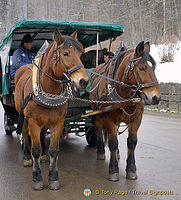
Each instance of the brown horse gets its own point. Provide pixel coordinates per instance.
(134, 68)
(59, 64)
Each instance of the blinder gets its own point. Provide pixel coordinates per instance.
(147, 57)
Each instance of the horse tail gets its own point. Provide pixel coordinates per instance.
(21, 115)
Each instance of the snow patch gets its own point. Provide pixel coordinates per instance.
(168, 72)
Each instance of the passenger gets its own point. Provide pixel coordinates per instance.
(22, 55)
(89, 58)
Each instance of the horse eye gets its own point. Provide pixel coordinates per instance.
(142, 68)
(65, 54)
(149, 63)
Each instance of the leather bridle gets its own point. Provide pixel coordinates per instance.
(57, 58)
(131, 67)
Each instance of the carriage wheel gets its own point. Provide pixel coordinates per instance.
(91, 137)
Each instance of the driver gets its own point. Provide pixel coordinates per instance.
(22, 55)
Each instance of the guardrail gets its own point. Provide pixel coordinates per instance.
(170, 99)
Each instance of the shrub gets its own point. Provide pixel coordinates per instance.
(167, 48)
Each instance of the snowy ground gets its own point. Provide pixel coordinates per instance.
(168, 72)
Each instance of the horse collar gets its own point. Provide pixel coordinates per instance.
(46, 99)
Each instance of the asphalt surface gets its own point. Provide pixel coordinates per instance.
(158, 160)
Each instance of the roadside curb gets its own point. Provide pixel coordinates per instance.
(163, 114)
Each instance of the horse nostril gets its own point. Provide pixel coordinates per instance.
(155, 100)
(83, 83)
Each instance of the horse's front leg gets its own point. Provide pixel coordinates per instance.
(100, 142)
(56, 131)
(34, 130)
(131, 144)
(113, 146)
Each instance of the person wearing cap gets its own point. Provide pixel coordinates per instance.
(22, 55)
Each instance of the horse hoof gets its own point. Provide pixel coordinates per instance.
(27, 163)
(38, 186)
(114, 177)
(101, 157)
(54, 185)
(43, 159)
(131, 175)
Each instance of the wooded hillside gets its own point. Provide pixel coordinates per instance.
(144, 19)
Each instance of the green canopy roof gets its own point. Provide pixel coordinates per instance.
(42, 30)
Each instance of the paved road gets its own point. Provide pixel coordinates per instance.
(158, 159)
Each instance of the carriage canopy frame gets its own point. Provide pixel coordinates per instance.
(42, 30)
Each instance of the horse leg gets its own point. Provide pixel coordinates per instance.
(34, 130)
(131, 144)
(27, 160)
(131, 167)
(117, 154)
(43, 157)
(113, 146)
(100, 143)
(53, 154)
(105, 137)
(117, 150)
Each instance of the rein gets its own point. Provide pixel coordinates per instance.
(110, 79)
(110, 85)
(53, 79)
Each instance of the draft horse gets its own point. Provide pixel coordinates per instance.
(60, 65)
(135, 68)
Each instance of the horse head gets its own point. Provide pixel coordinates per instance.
(107, 55)
(141, 72)
(67, 61)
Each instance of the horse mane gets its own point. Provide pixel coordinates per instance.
(69, 41)
(121, 56)
(145, 57)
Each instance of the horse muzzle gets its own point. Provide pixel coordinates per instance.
(82, 84)
(78, 77)
(80, 81)
(151, 99)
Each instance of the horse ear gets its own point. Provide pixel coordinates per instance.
(139, 49)
(147, 47)
(74, 35)
(57, 37)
